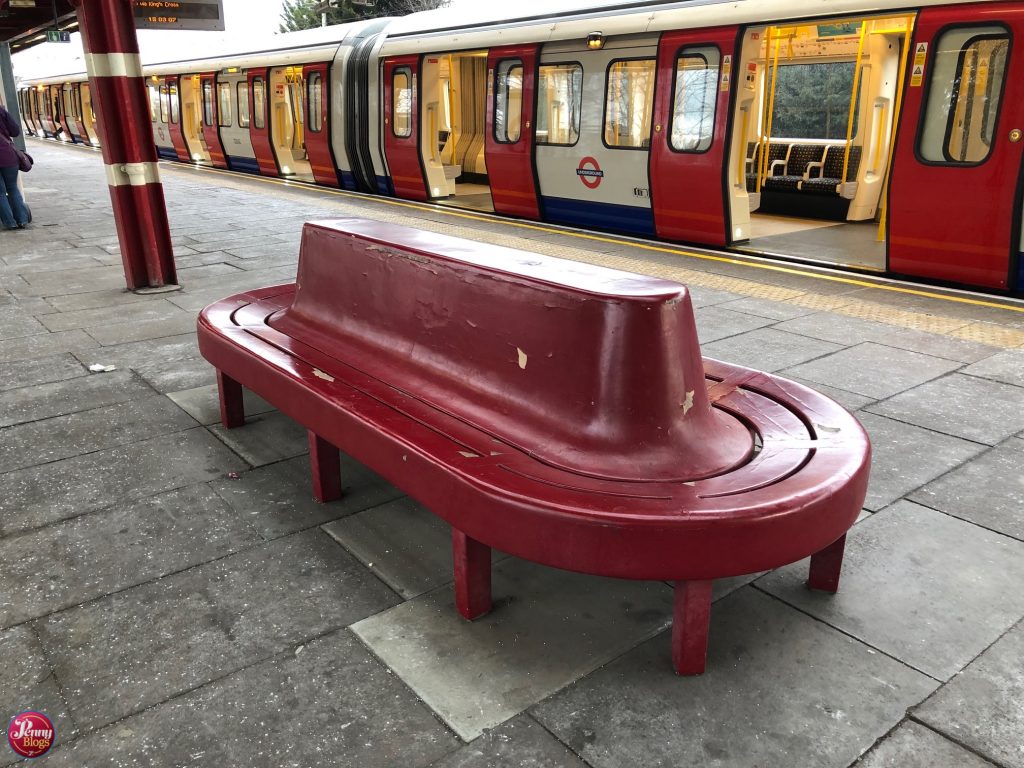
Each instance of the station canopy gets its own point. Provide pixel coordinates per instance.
(24, 23)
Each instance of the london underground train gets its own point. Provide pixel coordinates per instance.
(863, 133)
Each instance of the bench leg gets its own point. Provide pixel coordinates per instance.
(826, 565)
(325, 461)
(232, 412)
(472, 575)
(690, 619)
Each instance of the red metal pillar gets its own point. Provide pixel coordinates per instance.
(126, 133)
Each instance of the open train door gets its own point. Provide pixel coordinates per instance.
(688, 145)
(259, 125)
(318, 132)
(211, 120)
(954, 203)
(508, 148)
(402, 127)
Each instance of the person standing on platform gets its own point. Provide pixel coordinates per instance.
(13, 212)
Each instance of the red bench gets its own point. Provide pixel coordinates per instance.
(556, 411)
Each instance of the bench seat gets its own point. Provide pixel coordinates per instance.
(786, 480)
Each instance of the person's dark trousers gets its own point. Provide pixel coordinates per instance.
(13, 212)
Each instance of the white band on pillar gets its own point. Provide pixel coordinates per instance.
(113, 64)
(134, 174)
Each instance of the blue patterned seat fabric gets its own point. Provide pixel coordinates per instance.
(800, 156)
(832, 171)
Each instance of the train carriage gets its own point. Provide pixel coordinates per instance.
(882, 136)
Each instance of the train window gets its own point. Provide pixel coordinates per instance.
(154, 103)
(812, 101)
(508, 102)
(696, 94)
(964, 93)
(629, 103)
(165, 104)
(559, 100)
(172, 92)
(401, 102)
(224, 104)
(69, 96)
(243, 104)
(208, 103)
(315, 88)
(259, 103)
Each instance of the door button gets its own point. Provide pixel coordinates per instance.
(1016, 135)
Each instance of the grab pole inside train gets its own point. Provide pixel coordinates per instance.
(119, 95)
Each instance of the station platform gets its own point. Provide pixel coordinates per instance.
(171, 595)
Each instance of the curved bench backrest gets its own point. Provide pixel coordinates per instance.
(589, 369)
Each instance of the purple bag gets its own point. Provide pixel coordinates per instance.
(25, 160)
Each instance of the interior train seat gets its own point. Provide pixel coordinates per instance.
(831, 171)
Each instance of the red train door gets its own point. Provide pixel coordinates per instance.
(402, 127)
(259, 125)
(171, 90)
(211, 121)
(953, 204)
(76, 99)
(508, 148)
(688, 146)
(318, 128)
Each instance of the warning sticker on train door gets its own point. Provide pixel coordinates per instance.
(920, 57)
(726, 72)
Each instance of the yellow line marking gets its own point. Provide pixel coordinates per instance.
(779, 268)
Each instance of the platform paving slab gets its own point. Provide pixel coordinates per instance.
(31, 373)
(204, 623)
(936, 345)
(123, 546)
(774, 310)
(26, 348)
(835, 328)
(768, 350)
(780, 689)
(714, 323)
(918, 585)
(15, 324)
(66, 281)
(170, 364)
(905, 457)
(61, 398)
(26, 683)
(519, 743)
(61, 437)
(912, 745)
(155, 308)
(408, 547)
(988, 491)
(963, 406)
(203, 405)
(851, 401)
(873, 370)
(265, 438)
(1007, 366)
(983, 707)
(277, 499)
(548, 628)
(325, 704)
(112, 297)
(40, 495)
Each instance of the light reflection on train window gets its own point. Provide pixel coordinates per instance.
(693, 113)
(224, 104)
(508, 102)
(165, 103)
(259, 103)
(629, 103)
(243, 104)
(401, 103)
(559, 99)
(964, 93)
(208, 103)
(175, 104)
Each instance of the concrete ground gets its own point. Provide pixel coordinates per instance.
(170, 595)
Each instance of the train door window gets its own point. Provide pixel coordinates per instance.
(964, 93)
(259, 103)
(696, 93)
(243, 104)
(208, 103)
(154, 103)
(224, 104)
(629, 103)
(401, 102)
(69, 95)
(315, 88)
(172, 94)
(508, 102)
(559, 103)
(165, 104)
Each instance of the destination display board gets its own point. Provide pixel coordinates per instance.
(184, 14)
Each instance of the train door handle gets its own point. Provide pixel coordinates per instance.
(1016, 135)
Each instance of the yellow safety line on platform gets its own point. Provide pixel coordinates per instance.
(497, 219)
